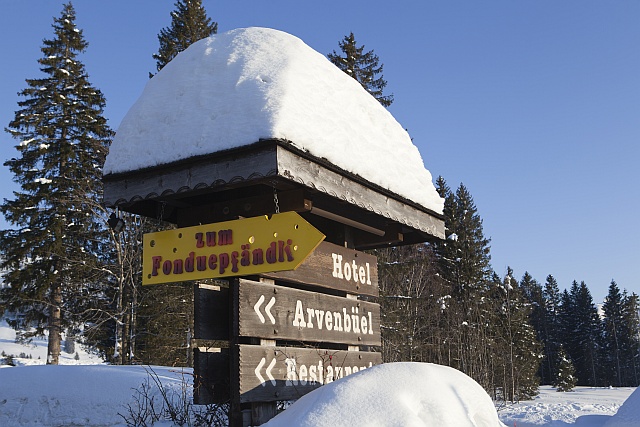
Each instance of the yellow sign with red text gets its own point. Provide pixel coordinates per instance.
(231, 248)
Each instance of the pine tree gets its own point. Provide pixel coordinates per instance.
(582, 334)
(613, 334)
(552, 328)
(631, 339)
(464, 256)
(363, 66)
(189, 23)
(52, 257)
(471, 255)
(517, 355)
(464, 264)
(447, 250)
(533, 294)
(565, 379)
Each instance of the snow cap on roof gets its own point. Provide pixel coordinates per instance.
(233, 89)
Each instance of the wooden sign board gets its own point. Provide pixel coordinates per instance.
(335, 267)
(232, 248)
(285, 373)
(211, 313)
(278, 312)
(211, 375)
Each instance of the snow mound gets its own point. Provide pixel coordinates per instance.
(629, 413)
(395, 394)
(233, 89)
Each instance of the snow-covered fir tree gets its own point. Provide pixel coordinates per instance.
(52, 255)
(613, 335)
(533, 293)
(552, 329)
(621, 348)
(365, 67)
(582, 334)
(631, 343)
(516, 348)
(464, 263)
(189, 23)
(564, 379)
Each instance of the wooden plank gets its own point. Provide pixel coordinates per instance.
(335, 267)
(162, 186)
(263, 204)
(234, 167)
(278, 312)
(211, 313)
(323, 177)
(286, 373)
(236, 417)
(211, 375)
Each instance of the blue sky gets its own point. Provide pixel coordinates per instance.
(533, 105)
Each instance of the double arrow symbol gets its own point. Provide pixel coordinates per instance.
(267, 372)
(267, 309)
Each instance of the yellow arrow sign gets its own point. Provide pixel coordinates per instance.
(231, 248)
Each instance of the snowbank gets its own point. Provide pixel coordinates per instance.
(584, 407)
(73, 395)
(629, 413)
(395, 394)
(236, 88)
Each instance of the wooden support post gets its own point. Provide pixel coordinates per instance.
(261, 412)
(236, 418)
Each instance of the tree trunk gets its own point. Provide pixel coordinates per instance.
(120, 337)
(55, 324)
(133, 323)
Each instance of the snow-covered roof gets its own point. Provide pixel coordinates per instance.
(236, 88)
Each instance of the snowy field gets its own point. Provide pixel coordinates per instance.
(86, 392)
(585, 407)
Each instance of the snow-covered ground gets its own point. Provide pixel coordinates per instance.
(90, 393)
(35, 352)
(585, 407)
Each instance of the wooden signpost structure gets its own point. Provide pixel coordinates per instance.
(287, 321)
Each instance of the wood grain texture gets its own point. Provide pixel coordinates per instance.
(318, 268)
(211, 313)
(277, 312)
(158, 190)
(187, 176)
(286, 373)
(358, 191)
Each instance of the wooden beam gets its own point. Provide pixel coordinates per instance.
(187, 191)
(264, 204)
